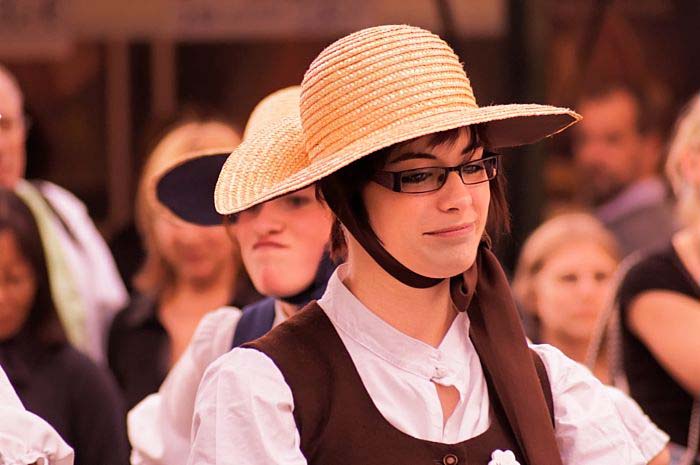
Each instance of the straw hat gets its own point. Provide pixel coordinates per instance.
(273, 107)
(186, 188)
(370, 90)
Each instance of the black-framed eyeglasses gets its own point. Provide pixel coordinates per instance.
(432, 178)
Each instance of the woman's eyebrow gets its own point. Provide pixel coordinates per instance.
(412, 156)
(468, 150)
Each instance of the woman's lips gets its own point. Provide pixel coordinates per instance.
(268, 245)
(453, 231)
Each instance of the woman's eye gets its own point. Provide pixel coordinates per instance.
(568, 278)
(473, 169)
(416, 177)
(601, 276)
(297, 201)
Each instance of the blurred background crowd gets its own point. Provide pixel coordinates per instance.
(100, 292)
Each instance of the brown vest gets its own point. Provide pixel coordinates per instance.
(337, 420)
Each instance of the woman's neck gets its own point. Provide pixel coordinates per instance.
(288, 309)
(198, 296)
(423, 314)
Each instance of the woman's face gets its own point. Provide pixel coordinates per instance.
(197, 254)
(572, 289)
(435, 234)
(18, 286)
(282, 242)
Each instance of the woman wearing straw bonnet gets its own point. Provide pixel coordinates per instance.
(415, 353)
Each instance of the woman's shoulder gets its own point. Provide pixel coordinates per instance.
(214, 334)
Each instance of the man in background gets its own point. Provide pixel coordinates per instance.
(617, 150)
(85, 283)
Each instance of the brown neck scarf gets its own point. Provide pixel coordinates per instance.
(497, 333)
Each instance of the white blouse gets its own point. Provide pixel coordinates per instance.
(24, 437)
(243, 410)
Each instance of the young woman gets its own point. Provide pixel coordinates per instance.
(283, 244)
(658, 301)
(52, 379)
(188, 271)
(415, 353)
(564, 280)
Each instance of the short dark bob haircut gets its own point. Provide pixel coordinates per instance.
(351, 180)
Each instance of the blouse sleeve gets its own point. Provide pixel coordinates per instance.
(650, 440)
(24, 437)
(159, 426)
(588, 426)
(243, 414)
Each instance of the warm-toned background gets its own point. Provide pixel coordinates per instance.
(102, 77)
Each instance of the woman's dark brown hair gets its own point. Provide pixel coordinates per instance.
(349, 182)
(42, 323)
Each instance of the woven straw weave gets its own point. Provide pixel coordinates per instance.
(273, 107)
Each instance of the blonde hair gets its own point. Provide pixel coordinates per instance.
(547, 239)
(178, 144)
(684, 143)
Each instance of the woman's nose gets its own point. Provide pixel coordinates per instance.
(454, 194)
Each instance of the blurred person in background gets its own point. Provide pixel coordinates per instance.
(188, 271)
(564, 281)
(617, 152)
(283, 243)
(87, 288)
(659, 300)
(52, 379)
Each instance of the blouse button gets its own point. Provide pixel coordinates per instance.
(450, 459)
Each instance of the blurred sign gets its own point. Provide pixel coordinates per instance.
(33, 28)
(31, 20)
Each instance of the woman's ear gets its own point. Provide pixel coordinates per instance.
(690, 167)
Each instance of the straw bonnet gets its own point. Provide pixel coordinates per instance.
(187, 188)
(367, 91)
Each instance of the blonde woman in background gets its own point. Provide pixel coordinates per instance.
(563, 280)
(659, 302)
(188, 271)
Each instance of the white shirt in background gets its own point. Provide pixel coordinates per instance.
(95, 273)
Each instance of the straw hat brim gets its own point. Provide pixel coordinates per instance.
(187, 189)
(504, 126)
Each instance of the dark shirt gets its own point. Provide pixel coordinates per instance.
(660, 396)
(138, 349)
(75, 396)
